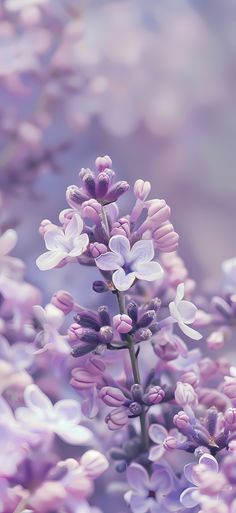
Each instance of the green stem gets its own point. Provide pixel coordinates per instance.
(136, 373)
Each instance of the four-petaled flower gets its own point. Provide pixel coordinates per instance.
(50, 319)
(148, 493)
(184, 312)
(62, 418)
(191, 496)
(63, 244)
(129, 263)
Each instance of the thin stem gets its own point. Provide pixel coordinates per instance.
(135, 370)
(105, 220)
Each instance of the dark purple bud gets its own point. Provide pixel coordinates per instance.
(212, 416)
(104, 316)
(90, 336)
(100, 286)
(89, 183)
(87, 320)
(83, 348)
(106, 334)
(117, 454)
(116, 191)
(155, 304)
(103, 182)
(137, 393)
(135, 408)
(132, 311)
(146, 319)
(154, 327)
(142, 335)
(121, 467)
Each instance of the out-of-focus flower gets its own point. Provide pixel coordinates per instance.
(50, 319)
(62, 418)
(195, 474)
(229, 275)
(184, 312)
(62, 245)
(19, 355)
(129, 263)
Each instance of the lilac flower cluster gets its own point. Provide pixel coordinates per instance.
(141, 368)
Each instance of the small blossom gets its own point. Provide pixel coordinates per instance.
(129, 263)
(147, 493)
(185, 394)
(61, 244)
(191, 496)
(122, 323)
(62, 418)
(184, 312)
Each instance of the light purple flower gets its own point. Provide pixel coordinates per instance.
(61, 244)
(62, 418)
(19, 355)
(229, 275)
(184, 312)
(148, 493)
(51, 319)
(191, 496)
(158, 434)
(129, 263)
(10, 267)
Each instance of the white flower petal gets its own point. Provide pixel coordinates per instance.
(149, 271)
(189, 498)
(109, 261)
(74, 227)
(54, 316)
(50, 259)
(123, 281)
(54, 239)
(80, 244)
(157, 433)
(188, 311)
(179, 293)
(35, 399)
(142, 251)
(210, 462)
(68, 409)
(76, 435)
(7, 242)
(174, 312)
(156, 452)
(120, 245)
(190, 332)
(139, 504)
(137, 477)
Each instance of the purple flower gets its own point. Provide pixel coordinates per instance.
(191, 496)
(184, 312)
(51, 319)
(148, 493)
(20, 354)
(129, 263)
(62, 418)
(69, 243)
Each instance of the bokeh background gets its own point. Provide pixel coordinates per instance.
(151, 83)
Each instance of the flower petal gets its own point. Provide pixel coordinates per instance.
(137, 477)
(190, 332)
(50, 259)
(54, 239)
(189, 474)
(139, 504)
(74, 227)
(120, 245)
(174, 312)
(80, 245)
(148, 271)
(71, 434)
(210, 462)
(7, 242)
(109, 261)
(54, 316)
(189, 498)
(68, 409)
(156, 452)
(179, 293)
(187, 311)
(35, 399)
(142, 251)
(161, 480)
(123, 281)
(157, 433)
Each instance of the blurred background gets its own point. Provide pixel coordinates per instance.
(151, 83)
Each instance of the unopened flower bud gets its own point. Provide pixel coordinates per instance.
(155, 304)
(143, 334)
(158, 212)
(92, 209)
(97, 249)
(81, 379)
(121, 227)
(229, 387)
(104, 316)
(112, 396)
(106, 334)
(132, 311)
(75, 196)
(94, 463)
(185, 394)
(135, 408)
(181, 420)
(230, 417)
(100, 286)
(83, 348)
(102, 163)
(155, 395)
(89, 183)
(122, 323)
(137, 393)
(63, 300)
(191, 378)
(165, 238)
(167, 352)
(146, 319)
(217, 339)
(102, 185)
(117, 419)
(142, 189)
(116, 191)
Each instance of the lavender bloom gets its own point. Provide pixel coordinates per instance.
(191, 496)
(148, 493)
(62, 418)
(61, 245)
(129, 263)
(50, 319)
(184, 312)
